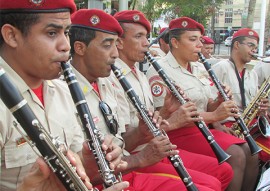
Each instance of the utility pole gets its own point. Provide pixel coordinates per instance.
(262, 27)
(213, 20)
(123, 5)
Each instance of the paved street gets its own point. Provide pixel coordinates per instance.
(221, 50)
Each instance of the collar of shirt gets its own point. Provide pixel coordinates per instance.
(20, 83)
(247, 69)
(174, 64)
(123, 66)
(39, 93)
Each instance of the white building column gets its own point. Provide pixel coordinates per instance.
(262, 26)
(97, 4)
(123, 5)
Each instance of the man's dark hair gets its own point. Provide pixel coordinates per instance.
(175, 34)
(124, 29)
(165, 37)
(22, 21)
(113, 12)
(81, 34)
(239, 39)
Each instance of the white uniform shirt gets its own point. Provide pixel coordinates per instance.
(111, 96)
(141, 87)
(58, 117)
(196, 85)
(225, 72)
(263, 71)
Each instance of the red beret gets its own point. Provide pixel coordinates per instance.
(133, 16)
(96, 19)
(163, 29)
(207, 40)
(37, 6)
(246, 32)
(185, 23)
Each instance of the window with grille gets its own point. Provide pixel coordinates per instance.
(228, 15)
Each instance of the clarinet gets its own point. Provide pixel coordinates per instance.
(49, 147)
(221, 155)
(254, 148)
(92, 133)
(175, 159)
(158, 37)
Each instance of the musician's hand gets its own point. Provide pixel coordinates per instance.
(143, 128)
(184, 116)
(264, 106)
(226, 109)
(41, 178)
(171, 104)
(154, 53)
(223, 128)
(158, 148)
(118, 187)
(113, 156)
(228, 91)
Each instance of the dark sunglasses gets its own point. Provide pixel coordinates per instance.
(109, 118)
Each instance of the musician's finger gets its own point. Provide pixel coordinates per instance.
(122, 166)
(107, 143)
(172, 152)
(118, 187)
(76, 161)
(156, 117)
(114, 156)
(43, 167)
(37, 174)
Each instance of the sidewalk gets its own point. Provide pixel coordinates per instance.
(221, 51)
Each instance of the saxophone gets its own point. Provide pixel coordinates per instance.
(252, 110)
(254, 148)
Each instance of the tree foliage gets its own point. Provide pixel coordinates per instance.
(199, 10)
(81, 3)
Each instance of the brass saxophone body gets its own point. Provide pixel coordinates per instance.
(252, 110)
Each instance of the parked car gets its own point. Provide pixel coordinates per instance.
(267, 52)
(228, 41)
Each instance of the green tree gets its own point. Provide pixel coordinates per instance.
(81, 3)
(199, 10)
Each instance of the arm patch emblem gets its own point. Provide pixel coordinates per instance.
(157, 89)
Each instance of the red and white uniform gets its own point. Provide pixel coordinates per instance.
(197, 87)
(226, 74)
(215, 177)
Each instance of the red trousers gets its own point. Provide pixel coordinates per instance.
(191, 139)
(204, 170)
(263, 142)
(206, 174)
(155, 182)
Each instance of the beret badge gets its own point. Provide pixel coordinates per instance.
(136, 18)
(184, 24)
(251, 33)
(36, 2)
(94, 20)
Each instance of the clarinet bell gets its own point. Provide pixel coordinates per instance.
(264, 126)
(254, 148)
(221, 155)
